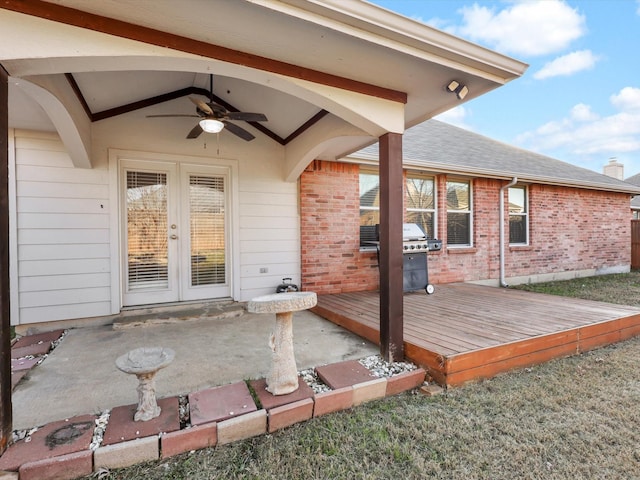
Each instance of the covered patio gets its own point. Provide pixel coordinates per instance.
(467, 332)
(80, 84)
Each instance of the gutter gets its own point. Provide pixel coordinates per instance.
(503, 282)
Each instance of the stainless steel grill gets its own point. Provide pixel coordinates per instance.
(415, 245)
(414, 240)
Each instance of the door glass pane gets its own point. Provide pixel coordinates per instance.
(207, 211)
(147, 247)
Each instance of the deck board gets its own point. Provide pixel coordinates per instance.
(466, 331)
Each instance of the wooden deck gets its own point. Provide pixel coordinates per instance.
(465, 332)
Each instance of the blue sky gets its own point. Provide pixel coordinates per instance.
(579, 100)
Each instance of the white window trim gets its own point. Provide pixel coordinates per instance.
(525, 214)
(434, 210)
(469, 211)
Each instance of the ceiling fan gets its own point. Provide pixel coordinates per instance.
(214, 117)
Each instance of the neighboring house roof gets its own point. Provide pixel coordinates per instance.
(441, 147)
(635, 201)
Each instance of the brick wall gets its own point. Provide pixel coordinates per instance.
(330, 231)
(570, 229)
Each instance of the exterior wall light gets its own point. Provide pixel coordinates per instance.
(460, 90)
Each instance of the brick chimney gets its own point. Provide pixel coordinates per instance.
(614, 169)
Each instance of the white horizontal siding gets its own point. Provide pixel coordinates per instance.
(64, 297)
(269, 234)
(63, 237)
(251, 222)
(64, 312)
(62, 205)
(52, 236)
(62, 220)
(63, 251)
(52, 282)
(62, 190)
(38, 173)
(34, 268)
(264, 259)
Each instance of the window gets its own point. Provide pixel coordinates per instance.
(421, 203)
(459, 213)
(369, 206)
(518, 216)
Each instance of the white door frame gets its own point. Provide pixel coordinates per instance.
(116, 220)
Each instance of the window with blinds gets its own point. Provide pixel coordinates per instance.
(207, 209)
(518, 216)
(147, 230)
(420, 202)
(459, 213)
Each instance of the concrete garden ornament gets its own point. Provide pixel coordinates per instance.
(283, 376)
(144, 363)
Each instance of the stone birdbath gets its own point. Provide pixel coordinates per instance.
(283, 376)
(144, 363)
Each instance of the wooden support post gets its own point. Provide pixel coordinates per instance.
(5, 322)
(391, 218)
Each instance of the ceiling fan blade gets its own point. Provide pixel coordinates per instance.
(195, 131)
(173, 115)
(247, 117)
(239, 131)
(218, 109)
(202, 105)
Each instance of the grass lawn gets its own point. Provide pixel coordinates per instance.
(573, 418)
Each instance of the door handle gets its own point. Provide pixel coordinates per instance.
(173, 237)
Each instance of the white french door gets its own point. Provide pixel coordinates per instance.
(175, 232)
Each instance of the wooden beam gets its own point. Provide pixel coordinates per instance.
(118, 28)
(5, 321)
(391, 217)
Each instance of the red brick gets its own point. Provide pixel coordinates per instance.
(53, 440)
(125, 454)
(405, 381)
(243, 426)
(64, 467)
(122, 427)
(270, 401)
(367, 391)
(194, 438)
(344, 374)
(220, 403)
(333, 401)
(286, 415)
(35, 350)
(46, 337)
(564, 224)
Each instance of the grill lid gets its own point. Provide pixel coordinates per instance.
(412, 232)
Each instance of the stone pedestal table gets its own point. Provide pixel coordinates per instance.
(144, 363)
(283, 376)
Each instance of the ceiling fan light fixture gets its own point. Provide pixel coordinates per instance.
(211, 125)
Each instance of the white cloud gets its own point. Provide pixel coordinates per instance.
(584, 136)
(638, 10)
(456, 116)
(583, 113)
(627, 100)
(525, 27)
(567, 65)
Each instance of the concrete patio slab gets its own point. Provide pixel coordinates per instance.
(79, 376)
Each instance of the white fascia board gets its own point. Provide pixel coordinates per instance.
(383, 27)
